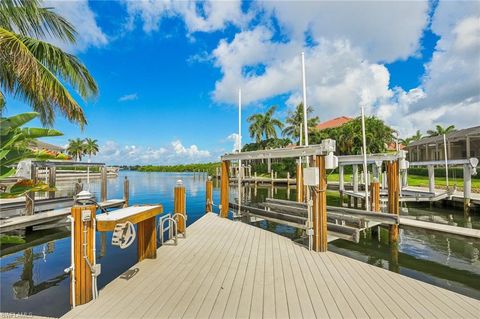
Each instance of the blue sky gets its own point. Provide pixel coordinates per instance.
(168, 72)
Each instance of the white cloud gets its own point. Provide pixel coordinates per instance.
(128, 97)
(450, 89)
(346, 45)
(80, 15)
(383, 30)
(234, 139)
(203, 16)
(176, 153)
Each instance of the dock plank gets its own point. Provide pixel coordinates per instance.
(231, 269)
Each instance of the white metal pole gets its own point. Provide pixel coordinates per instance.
(446, 157)
(239, 120)
(304, 84)
(239, 141)
(305, 130)
(365, 172)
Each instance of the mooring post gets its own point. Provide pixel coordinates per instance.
(375, 195)
(103, 191)
(126, 191)
(299, 181)
(319, 198)
(431, 179)
(209, 195)
(393, 197)
(179, 205)
(467, 188)
(52, 180)
(355, 185)
(224, 190)
(255, 178)
(288, 179)
(84, 246)
(272, 177)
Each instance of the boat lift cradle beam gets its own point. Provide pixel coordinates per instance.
(324, 148)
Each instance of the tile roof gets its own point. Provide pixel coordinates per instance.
(336, 122)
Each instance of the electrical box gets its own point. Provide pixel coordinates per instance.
(331, 161)
(86, 215)
(311, 176)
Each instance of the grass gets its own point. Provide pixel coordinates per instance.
(422, 181)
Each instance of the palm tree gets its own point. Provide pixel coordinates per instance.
(76, 148)
(90, 147)
(406, 141)
(418, 136)
(32, 69)
(264, 125)
(295, 122)
(440, 130)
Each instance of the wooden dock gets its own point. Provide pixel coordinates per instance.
(229, 269)
(21, 222)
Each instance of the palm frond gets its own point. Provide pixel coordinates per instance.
(29, 79)
(30, 19)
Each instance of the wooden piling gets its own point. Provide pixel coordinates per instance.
(126, 191)
(52, 180)
(103, 192)
(393, 197)
(209, 196)
(319, 198)
(224, 189)
(83, 274)
(179, 206)
(375, 196)
(299, 181)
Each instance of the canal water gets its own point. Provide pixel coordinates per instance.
(32, 278)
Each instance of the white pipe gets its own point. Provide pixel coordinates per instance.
(304, 84)
(72, 257)
(365, 172)
(446, 157)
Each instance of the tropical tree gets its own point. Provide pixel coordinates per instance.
(349, 136)
(36, 71)
(76, 148)
(264, 125)
(294, 122)
(440, 130)
(90, 147)
(417, 136)
(13, 150)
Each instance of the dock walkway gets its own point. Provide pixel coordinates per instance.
(229, 269)
(21, 222)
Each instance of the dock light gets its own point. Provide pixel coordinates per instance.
(179, 183)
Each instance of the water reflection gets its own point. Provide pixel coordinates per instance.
(26, 287)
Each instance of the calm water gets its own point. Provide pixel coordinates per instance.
(32, 278)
